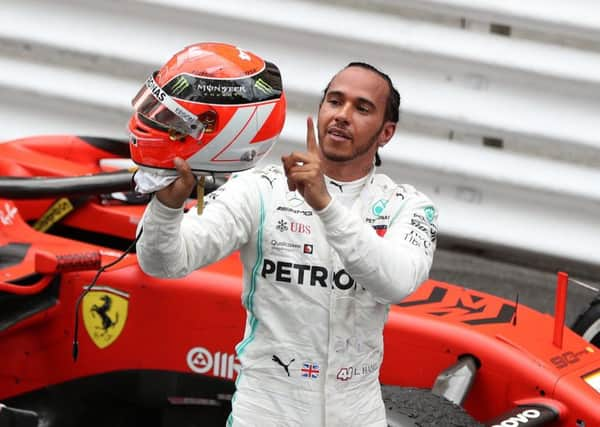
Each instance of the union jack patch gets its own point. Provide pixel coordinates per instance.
(310, 370)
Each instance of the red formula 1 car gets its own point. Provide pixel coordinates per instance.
(87, 339)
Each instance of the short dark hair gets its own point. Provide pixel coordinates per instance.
(392, 108)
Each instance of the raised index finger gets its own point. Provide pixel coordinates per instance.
(311, 141)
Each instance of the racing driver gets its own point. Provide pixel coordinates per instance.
(326, 244)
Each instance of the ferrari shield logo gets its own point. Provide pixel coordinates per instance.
(105, 314)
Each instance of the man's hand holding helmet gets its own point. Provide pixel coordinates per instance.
(175, 194)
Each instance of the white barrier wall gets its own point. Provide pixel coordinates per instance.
(500, 99)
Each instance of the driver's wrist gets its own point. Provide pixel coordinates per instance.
(164, 201)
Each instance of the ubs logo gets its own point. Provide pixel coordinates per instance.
(298, 227)
(294, 227)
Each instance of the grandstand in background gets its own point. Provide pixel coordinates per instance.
(500, 115)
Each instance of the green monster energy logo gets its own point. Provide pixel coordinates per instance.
(180, 85)
(263, 86)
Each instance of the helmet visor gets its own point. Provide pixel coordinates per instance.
(163, 112)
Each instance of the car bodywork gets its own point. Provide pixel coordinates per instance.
(167, 345)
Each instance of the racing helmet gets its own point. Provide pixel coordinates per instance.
(216, 105)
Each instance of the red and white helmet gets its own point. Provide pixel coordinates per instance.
(216, 105)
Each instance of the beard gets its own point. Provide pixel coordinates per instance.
(355, 153)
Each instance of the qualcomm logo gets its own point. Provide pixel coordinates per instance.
(224, 365)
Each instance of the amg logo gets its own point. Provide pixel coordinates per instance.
(302, 274)
(296, 211)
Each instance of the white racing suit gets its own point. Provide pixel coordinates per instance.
(317, 288)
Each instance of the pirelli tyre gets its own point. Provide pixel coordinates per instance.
(417, 407)
(12, 417)
(588, 323)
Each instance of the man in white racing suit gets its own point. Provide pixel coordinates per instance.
(326, 244)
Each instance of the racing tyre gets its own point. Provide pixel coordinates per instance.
(588, 323)
(12, 417)
(418, 407)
